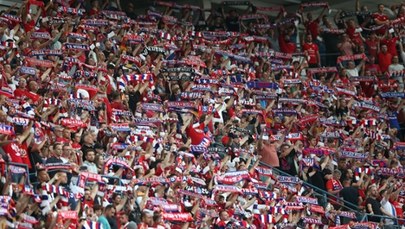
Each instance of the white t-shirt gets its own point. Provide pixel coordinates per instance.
(352, 72)
(388, 207)
(395, 67)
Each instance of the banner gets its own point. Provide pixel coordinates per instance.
(367, 106)
(306, 200)
(308, 220)
(227, 188)
(153, 49)
(114, 15)
(387, 95)
(287, 179)
(311, 71)
(121, 127)
(146, 181)
(58, 166)
(290, 100)
(174, 74)
(347, 214)
(350, 154)
(346, 14)
(6, 129)
(36, 62)
(187, 95)
(84, 177)
(46, 52)
(95, 22)
(264, 171)
(152, 107)
(11, 17)
(180, 105)
(309, 119)
(261, 84)
(333, 31)
(351, 57)
(120, 162)
(314, 4)
(178, 217)
(80, 47)
(40, 35)
(70, 10)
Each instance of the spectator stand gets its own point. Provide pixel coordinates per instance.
(158, 119)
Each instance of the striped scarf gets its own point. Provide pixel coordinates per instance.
(56, 190)
(6, 129)
(91, 225)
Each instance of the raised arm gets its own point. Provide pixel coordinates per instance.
(358, 6)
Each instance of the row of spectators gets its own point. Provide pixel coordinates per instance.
(168, 119)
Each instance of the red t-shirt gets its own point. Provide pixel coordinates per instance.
(196, 134)
(312, 50)
(93, 11)
(372, 47)
(313, 28)
(18, 153)
(88, 203)
(118, 105)
(286, 47)
(398, 209)
(380, 17)
(143, 162)
(384, 60)
(354, 36)
(333, 185)
(62, 140)
(29, 26)
(391, 45)
(18, 93)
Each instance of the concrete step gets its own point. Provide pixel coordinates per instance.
(4, 4)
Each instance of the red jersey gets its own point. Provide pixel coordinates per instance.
(333, 185)
(400, 213)
(29, 26)
(33, 96)
(196, 134)
(380, 17)
(391, 45)
(312, 50)
(313, 28)
(118, 105)
(20, 93)
(384, 60)
(355, 36)
(18, 153)
(286, 46)
(372, 46)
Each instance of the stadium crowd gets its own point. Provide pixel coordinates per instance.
(171, 119)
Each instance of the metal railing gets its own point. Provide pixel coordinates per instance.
(361, 216)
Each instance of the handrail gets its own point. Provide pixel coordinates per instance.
(349, 205)
(366, 215)
(324, 193)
